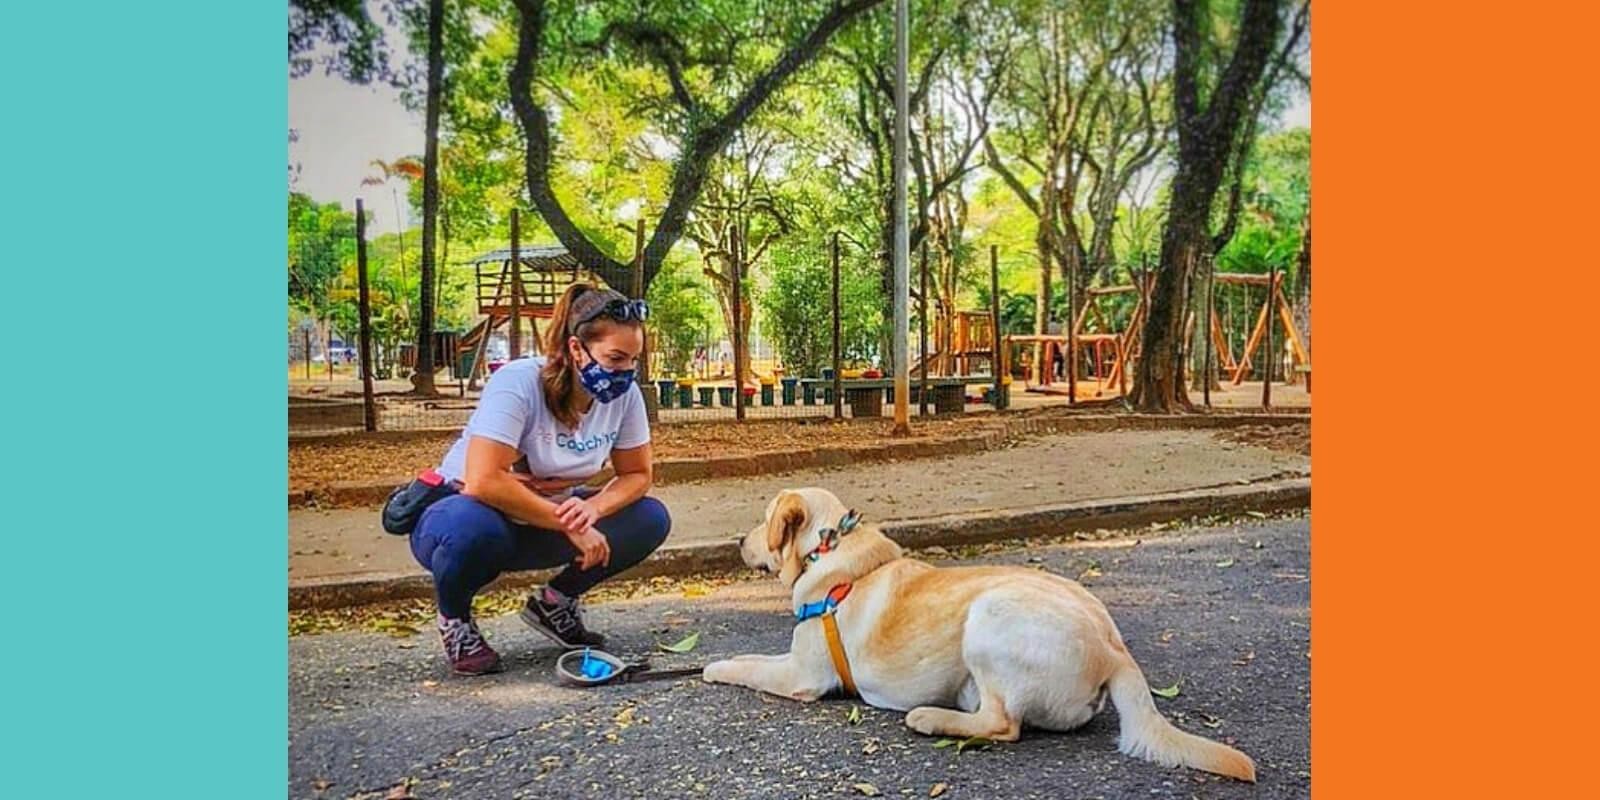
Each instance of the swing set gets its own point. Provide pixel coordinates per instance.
(1240, 367)
(1115, 352)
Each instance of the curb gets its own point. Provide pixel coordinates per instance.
(944, 530)
(356, 494)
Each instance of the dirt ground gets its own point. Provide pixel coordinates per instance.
(318, 462)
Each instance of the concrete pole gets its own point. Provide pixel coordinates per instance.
(902, 235)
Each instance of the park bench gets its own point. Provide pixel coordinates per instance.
(866, 396)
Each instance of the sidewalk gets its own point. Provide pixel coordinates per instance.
(348, 544)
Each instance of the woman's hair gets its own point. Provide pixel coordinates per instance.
(562, 389)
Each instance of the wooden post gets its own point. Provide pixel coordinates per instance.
(369, 408)
(1071, 360)
(1268, 356)
(1211, 320)
(638, 294)
(307, 337)
(738, 324)
(994, 325)
(516, 289)
(838, 362)
(329, 351)
(922, 393)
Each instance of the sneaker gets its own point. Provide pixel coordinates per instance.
(464, 646)
(558, 617)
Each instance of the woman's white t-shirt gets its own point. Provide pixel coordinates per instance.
(512, 412)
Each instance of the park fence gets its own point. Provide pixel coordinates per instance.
(349, 372)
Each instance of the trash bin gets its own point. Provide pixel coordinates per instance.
(665, 388)
(766, 394)
(705, 396)
(725, 395)
(809, 392)
(789, 385)
(686, 395)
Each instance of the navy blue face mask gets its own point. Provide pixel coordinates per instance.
(605, 384)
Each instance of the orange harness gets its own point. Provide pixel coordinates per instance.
(828, 606)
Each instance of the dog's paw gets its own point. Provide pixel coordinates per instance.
(921, 720)
(719, 672)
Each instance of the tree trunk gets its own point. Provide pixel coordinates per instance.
(1204, 139)
(422, 378)
(1200, 345)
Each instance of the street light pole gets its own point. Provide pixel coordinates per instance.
(902, 236)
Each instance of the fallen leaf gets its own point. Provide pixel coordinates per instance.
(1210, 721)
(1245, 659)
(855, 715)
(867, 789)
(1169, 692)
(624, 718)
(943, 743)
(321, 784)
(1167, 636)
(1225, 563)
(872, 746)
(394, 627)
(938, 789)
(693, 590)
(1256, 514)
(401, 791)
(683, 645)
(973, 741)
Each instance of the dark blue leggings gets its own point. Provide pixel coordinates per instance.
(466, 544)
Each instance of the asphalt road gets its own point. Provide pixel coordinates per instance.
(1225, 618)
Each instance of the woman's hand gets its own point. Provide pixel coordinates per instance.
(593, 548)
(577, 514)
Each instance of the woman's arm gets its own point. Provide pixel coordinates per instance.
(489, 479)
(634, 475)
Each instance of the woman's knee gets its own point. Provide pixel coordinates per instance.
(654, 519)
(463, 530)
(645, 523)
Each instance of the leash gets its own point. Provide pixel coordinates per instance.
(589, 667)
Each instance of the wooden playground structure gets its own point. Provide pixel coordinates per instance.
(1113, 353)
(971, 348)
(527, 289)
(1241, 367)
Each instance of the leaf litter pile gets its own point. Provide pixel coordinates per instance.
(406, 618)
(1283, 438)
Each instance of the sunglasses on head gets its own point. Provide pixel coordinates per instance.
(620, 310)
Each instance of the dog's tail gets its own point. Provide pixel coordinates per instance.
(1148, 735)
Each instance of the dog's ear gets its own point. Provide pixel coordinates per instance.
(788, 517)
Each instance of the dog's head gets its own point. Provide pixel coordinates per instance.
(791, 531)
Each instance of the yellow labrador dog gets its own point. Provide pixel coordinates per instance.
(967, 651)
